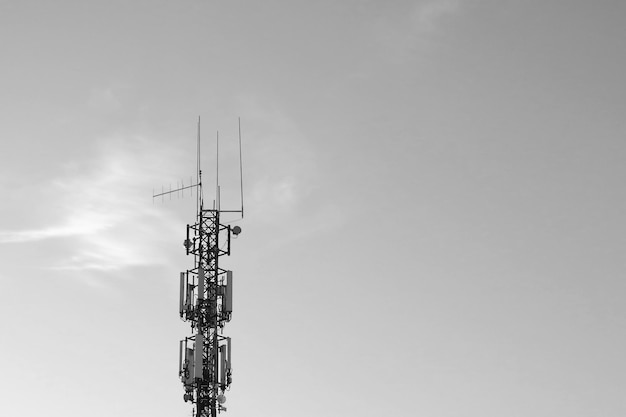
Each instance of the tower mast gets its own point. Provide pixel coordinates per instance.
(206, 292)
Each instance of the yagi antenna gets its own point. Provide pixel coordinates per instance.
(182, 188)
(206, 296)
(198, 184)
(206, 303)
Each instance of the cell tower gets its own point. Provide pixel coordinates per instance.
(206, 302)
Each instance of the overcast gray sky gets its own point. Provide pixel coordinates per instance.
(434, 204)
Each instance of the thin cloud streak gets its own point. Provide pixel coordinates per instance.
(410, 30)
(106, 218)
(289, 180)
(427, 15)
(75, 228)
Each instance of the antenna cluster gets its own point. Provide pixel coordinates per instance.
(206, 301)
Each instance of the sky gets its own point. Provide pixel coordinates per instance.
(434, 204)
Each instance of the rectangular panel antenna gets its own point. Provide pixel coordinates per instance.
(228, 296)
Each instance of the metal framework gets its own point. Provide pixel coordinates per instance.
(206, 302)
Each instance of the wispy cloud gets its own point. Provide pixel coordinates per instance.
(104, 215)
(88, 224)
(427, 15)
(281, 157)
(286, 191)
(104, 99)
(414, 26)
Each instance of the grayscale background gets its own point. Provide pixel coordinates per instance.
(434, 198)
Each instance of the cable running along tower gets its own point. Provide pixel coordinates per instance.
(206, 301)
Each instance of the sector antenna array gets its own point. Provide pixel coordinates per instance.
(206, 301)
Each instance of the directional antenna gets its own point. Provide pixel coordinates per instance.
(180, 188)
(206, 298)
(179, 191)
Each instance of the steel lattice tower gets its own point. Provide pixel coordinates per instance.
(206, 302)
(206, 368)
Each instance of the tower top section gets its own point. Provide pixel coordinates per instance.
(198, 183)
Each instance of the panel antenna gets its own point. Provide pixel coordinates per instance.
(206, 299)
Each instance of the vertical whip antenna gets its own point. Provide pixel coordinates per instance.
(198, 172)
(206, 297)
(217, 170)
(240, 168)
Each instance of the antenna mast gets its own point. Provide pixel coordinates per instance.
(206, 302)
